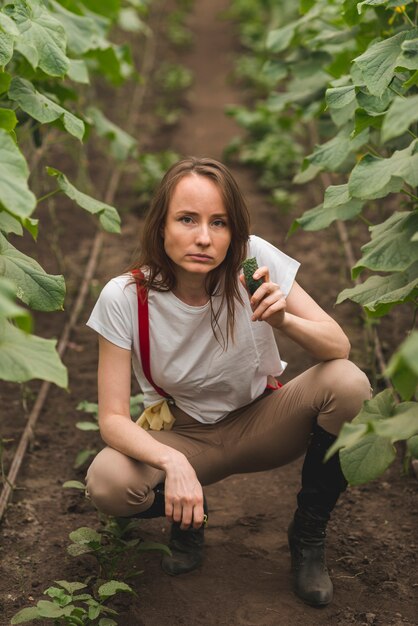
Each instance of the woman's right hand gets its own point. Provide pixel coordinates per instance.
(183, 493)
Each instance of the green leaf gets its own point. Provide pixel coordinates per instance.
(379, 407)
(8, 119)
(373, 3)
(379, 293)
(87, 426)
(337, 206)
(110, 588)
(25, 615)
(390, 248)
(108, 215)
(367, 459)
(76, 549)
(8, 34)
(402, 426)
(402, 113)
(9, 224)
(88, 407)
(349, 435)
(377, 64)
(412, 446)
(81, 30)
(78, 71)
(403, 367)
(83, 456)
(74, 484)
(24, 357)
(42, 39)
(106, 621)
(374, 177)
(122, 144)
(42, 108)
(5, 79)
(339, 97)
(52, 610)
(332, 154)
(9, 309)
(342, 103)
(70, 587)
(15, 195)
(36, 288)
(85, 535)
(280, 38)
(409, 55)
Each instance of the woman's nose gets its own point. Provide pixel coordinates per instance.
(203, 236)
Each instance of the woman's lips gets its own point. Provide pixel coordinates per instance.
(200, 257)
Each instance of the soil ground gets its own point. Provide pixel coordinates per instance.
(245, 576)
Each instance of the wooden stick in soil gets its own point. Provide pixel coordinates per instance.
(114, 181)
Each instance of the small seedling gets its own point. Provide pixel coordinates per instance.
(70, 608)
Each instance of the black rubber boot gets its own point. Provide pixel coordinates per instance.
(186, 548)
(322, 483)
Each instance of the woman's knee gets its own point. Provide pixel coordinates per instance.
(114, 484)
(347, 387)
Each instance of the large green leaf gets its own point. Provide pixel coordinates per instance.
(337, 206)
(122, 144)
(377, 64)
(402, 113)
(35, 287)
(8, 307)
(24, 357)
(108, 215)
(8, 34)
(78, 71)
(374, 177)
(15, 195)
(42, 108)
(403, 367)
(379, 293)
(8, 119)
(28, 614)
(342, 103)
(42, 39)
(332, 154)
(409, 55)
(81, 30)
(403, 425)
(390, 248)
(367, 459)
(9, 224)
(379, 407)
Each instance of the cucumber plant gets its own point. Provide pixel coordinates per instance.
(346, 79)
(51, 52)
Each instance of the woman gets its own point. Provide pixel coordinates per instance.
(213, 351)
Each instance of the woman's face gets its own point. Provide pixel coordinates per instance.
(197, 231)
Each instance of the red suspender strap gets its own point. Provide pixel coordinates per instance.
(143, 330)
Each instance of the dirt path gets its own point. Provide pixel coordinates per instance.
(244, 580)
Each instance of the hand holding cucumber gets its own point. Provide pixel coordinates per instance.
(267, 300)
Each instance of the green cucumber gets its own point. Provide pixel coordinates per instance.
(250, 266)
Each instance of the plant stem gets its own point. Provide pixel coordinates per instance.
(48, 195)
(365, 220)
(408, 193)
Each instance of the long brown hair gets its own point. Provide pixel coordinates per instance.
(222, 280)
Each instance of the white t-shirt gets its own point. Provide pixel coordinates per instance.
(206, 381)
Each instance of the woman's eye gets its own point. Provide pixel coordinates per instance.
(219, 223)
(186, 219)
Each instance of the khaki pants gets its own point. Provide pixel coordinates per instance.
(271, 431)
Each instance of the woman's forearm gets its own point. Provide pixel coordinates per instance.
(121, 433)
(324, 339)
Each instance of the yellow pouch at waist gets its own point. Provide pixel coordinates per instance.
(157, 417)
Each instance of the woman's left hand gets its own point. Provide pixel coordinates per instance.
(268, 302)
